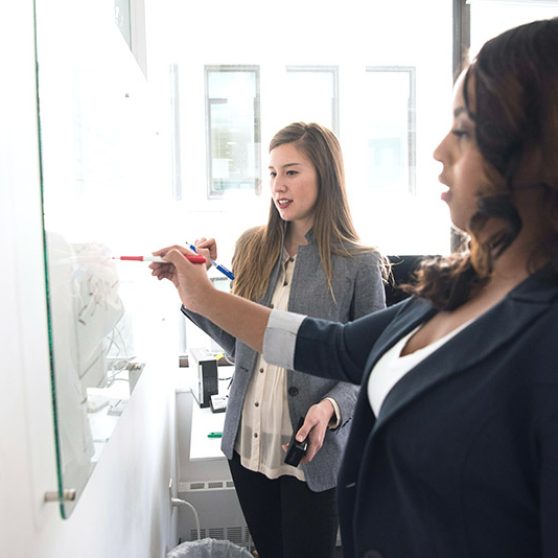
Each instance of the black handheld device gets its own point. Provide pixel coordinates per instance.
(296, 449)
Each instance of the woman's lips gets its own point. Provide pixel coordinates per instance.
(444, 196)
(282, 204)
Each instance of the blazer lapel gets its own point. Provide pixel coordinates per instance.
(472, 345)
(413, 312)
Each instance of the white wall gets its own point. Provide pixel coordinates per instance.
(124, 510)
(491, 17)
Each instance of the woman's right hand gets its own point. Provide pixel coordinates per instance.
(238, 316)
(190, 279)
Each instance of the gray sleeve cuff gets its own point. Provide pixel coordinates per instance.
(280, 338)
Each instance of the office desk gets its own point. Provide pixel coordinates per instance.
(204, 422)
(199, 457)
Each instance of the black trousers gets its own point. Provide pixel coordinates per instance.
(285, 518)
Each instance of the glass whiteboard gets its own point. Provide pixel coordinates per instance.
(99, 156)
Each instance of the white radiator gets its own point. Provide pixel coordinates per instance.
(218, 510)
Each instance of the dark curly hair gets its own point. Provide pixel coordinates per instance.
(515, 110)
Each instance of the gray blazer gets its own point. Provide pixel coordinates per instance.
(359, 290)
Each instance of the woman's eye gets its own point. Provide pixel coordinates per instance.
(459, 133)
(291, 173)
(272, 174)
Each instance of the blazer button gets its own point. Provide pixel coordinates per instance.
(293, 391)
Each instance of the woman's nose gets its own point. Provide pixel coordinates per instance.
(440, 152)
(278, 185)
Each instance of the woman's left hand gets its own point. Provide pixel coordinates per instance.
(315, 426)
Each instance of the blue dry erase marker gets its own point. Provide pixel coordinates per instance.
(227, 272)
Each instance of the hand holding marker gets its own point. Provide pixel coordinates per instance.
(218, 266)
(194, 258)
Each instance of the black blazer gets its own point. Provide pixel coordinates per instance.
(462, 460)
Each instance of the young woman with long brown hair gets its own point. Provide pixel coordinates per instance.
(306, 259)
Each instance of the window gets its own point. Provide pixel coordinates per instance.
(233, 129)
(311, 95)
(390, 128)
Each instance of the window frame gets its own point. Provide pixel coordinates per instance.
(230, 68)
(317, 68)
(411, 118)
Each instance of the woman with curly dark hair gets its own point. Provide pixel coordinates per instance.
(453, 450)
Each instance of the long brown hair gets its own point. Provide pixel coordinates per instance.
(258, 250)
(515, 109)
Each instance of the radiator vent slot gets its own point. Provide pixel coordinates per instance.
(217, 533)
(239, 536)
(194, 535)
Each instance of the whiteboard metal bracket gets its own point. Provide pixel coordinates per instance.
(68, 495)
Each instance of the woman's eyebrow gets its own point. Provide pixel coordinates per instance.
(286, 165)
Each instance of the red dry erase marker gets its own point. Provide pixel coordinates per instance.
(194, 258)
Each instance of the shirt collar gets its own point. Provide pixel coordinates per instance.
(285, 257)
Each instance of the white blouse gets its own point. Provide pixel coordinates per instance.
(392, 366)
(266, 423)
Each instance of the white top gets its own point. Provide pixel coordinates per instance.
(392, 366)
